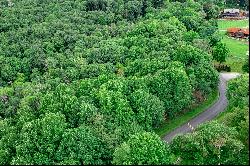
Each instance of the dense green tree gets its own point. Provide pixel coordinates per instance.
(39, 140)
(237, 3)
(79, 78)
(63, 101)
(133, 9)
(149, 110)
(220, 52)
(172, 86)
(212, 7)
(115, 106)
(245, 67)
(211, 10)
(237, 114)
(238, 91)
(107, 51)
(238, 118)
(202, 44)
(189, 13)
(143, 148)
(206, 77)
(80, 146)
(96, 5)
(8, 141)
(190, 36)
(142, 67)
(214, 39)
(211, 143)
(190, 55)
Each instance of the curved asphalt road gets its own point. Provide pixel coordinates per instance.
(210, 113)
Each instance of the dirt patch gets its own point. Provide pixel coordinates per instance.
(198, 96)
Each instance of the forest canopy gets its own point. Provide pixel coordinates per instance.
(81, 81)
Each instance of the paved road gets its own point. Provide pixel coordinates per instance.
(210, 113)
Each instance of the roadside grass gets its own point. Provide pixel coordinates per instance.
(237, 53)
(224, 24)
(222, 114)
(172, 124)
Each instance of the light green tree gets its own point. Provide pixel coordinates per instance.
(143, 149)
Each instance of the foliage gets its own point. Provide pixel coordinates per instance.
(220, 52)
(237, 114)
(212, 11)
(172, 86)
(80, 146)
(241, 3)
(143, 148)
(238, 118)
(212, 8)
(238, 91)
(245, 67)
(39, 140)
(226, 142)
(148, 108)
(79, 78)
(211, 143)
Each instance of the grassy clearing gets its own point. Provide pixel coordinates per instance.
(237, 54)
(224, 24)
(170, 125)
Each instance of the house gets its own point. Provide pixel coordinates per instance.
(230, 13)
(238, 32)
(246, 14)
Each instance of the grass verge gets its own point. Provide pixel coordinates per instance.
(170, 125)
(224, 24)
(222, 114)
(237, 53)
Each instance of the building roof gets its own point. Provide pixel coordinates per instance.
(231, 10)
(234, 30)
(246, 31)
